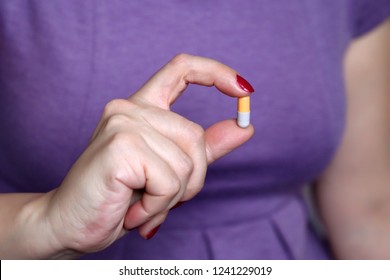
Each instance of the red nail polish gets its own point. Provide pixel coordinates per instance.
(152, 233)
(244, 84)
(180, 203)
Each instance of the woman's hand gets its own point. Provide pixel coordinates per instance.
(143, 159)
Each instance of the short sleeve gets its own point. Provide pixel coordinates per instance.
(367, 14)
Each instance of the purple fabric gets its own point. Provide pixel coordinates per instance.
(62, 61)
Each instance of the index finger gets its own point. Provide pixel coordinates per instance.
(165, 86)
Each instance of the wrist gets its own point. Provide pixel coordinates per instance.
(40, 237)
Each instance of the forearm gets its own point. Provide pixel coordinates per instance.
(26, 232)
(354, 191)
(357, 215)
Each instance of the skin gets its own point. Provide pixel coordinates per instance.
(354, 192)
(139, 144)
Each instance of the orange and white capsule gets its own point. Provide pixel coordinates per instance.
(243, 111)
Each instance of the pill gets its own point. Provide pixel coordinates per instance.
(243, 111)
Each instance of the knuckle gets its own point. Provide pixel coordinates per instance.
(122, 141)
(173, 188)
(112, 107)
(185, 165)
(180, 59)
(197, 132)
(116, 106)
(196, 184)
(116, 121)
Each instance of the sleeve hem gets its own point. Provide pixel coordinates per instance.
(372, 21)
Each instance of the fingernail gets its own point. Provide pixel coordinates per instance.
(152, 233)
(244, 84)
(180, 203)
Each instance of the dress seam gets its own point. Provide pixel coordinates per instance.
(209, 248)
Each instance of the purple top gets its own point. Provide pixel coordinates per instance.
(62, 61)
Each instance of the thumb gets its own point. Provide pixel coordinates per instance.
(223, 137)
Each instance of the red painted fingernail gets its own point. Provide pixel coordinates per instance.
(152, 233)
(244, 84)
(180, 203)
